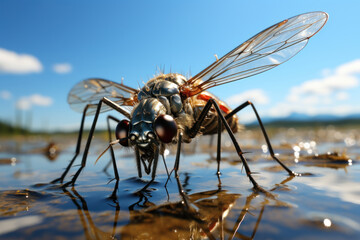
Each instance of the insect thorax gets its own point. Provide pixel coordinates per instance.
(161, 95)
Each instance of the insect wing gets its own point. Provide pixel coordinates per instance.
(264, 51)
(91, 91)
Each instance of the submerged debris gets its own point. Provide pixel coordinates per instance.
(328, 160)
(8, 161)
(334, 157)
(51, 151)
(330, 156)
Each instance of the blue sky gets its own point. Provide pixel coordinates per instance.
(46, 47)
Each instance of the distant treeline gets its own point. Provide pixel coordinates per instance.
(307, 124)
(7, 129)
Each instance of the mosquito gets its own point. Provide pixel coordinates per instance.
(171, 109)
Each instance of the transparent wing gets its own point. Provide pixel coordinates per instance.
(91, 91)
(260, 53)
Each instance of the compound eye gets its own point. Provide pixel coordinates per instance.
(122, 131)
(165, 128)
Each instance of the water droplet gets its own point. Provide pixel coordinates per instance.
(296, 148)
(327, 222)
(264, 148)
(13, 161)
(313, 144)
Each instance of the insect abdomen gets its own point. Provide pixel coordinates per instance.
(210, 123)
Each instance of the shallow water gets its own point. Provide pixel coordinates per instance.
(323, 205)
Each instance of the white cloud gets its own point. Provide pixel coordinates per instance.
(327, 95)
(349, 68)
(62, 68)
(12, 62)
(257, 96)
(333, 84)
(6, 95)
(285, 109)
(342, 96)
(25, 103)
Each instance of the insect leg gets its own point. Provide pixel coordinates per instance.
(218, 152)
(77, 150)
(91, 133)
(138, 165)
(156, 159)
(153, 175)
(177, 159)
(162, 152)
(194, 130)
(242, 106)
(109, 117)
(113, 161)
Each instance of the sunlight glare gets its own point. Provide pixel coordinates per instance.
(327, 222)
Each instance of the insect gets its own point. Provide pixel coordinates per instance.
(170, 109)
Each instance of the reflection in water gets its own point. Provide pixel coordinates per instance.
(211, 214)
(205, 214)
(14, 202)
(196, 216)
(90, 229)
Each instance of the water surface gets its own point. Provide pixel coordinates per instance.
(323, 205)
